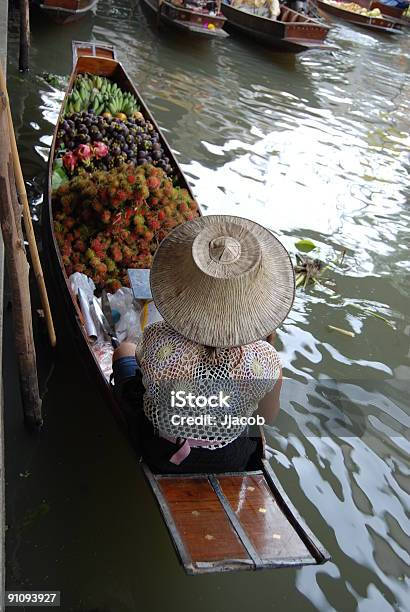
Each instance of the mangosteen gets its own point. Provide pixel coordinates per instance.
(71, 145)
(149, 159)
(156, 155)
(142, 154)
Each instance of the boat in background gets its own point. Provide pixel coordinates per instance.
(391, 12)
(190, 16)
(291, 31)
(65, 11)
(382, 24)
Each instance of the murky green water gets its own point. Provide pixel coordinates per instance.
(314, 147)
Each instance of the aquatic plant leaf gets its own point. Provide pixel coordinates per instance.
(59, 177)
(376, 315)
(305, 245)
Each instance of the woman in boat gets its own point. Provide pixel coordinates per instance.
(222, 285)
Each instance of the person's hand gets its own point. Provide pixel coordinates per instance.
(271, 338)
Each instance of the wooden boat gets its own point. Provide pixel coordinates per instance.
(185, 16)
(391, 12)
(292, 31)
(210, 529)
(66, 11)
(382, 25)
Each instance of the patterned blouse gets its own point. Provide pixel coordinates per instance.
(223, 386)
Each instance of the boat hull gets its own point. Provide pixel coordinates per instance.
(86, 60)
(382, 26)
(66, 11)
(283, 35)
(186, 20)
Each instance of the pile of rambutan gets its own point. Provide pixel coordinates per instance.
(107, 222)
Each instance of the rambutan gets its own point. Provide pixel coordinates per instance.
(122, 195)
(69, 222)
(101, 268)
(79, 245)
(153, 183)
(98, 248)
(66, 249)
(116, 252)
(89, 254)
(110, 264)
(154, 224)
(95, 262)
(112, 285)
(97, 206)
(105, 216)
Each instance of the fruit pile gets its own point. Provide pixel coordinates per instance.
(352, 7)
(89, 141)
(108, 221)
(100, 95)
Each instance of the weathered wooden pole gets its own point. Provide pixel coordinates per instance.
(22, 195)
(24, 35)
(18, 269)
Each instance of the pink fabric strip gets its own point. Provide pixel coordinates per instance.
(182, 453)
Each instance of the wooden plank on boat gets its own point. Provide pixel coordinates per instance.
(232, 521)
(92, 49)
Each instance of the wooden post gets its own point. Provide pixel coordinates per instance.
(22, 195)
(24, 35)
(18, 268)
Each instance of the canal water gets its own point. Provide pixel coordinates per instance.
(314, 147)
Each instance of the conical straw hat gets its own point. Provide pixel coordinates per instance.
(222, 281)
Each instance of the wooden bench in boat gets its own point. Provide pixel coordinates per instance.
(233, 521)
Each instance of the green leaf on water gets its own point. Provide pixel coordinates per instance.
(59, 177)
(376, 315)
(305, 245)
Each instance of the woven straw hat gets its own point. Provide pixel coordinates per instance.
(222, 281)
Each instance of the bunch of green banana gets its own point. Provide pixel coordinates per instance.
(99, 94)
(122, 103)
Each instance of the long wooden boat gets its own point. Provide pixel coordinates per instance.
(291, 31)
(65, 11)
(183, 16)
(391, 12)
(224, 522)
(383, 25)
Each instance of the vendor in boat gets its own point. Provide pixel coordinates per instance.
(222, 285)
(269, 9)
